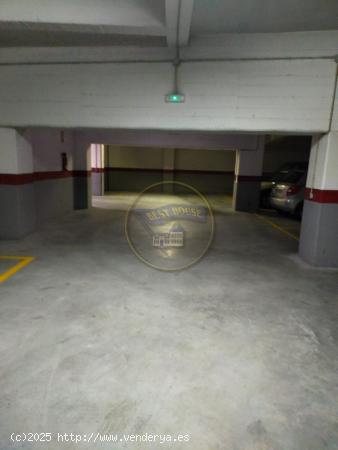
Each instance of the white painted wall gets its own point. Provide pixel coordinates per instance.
(249, 163)
(24, 153)
(34, 150)
(205, 160)
(262, 96)
(47, 148)
(289, 96)
(15, 152)
(134, 157)
(168, 164)
(154, 158)
(97, 156)
(323, 167)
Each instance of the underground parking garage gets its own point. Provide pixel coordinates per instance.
(168, 225)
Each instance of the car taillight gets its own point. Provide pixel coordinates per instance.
(293, 190)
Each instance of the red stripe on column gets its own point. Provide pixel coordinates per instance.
(41, 176)
(16, 179)
(321, 195)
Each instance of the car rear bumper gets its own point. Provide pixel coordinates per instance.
(283, 204)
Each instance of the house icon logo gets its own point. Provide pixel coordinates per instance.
(174, 238)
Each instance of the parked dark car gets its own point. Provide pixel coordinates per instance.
(282, 174)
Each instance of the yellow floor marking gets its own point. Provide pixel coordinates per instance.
(282, 230)
(23, 261)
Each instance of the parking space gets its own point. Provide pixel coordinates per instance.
(108, 341)
(168, 225)
(286, 224)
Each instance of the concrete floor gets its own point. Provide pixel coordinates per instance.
(239, 351)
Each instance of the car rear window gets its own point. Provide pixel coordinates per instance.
(291, 176)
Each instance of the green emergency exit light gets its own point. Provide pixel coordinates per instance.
(174, 98)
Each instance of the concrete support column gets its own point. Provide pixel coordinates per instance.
(97, 166)
(248, 172)
(168, 169)
(81, 174)
(319, 230)
(53, 169)
(17, 197)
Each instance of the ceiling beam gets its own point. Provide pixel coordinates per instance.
(186, 11)
(227, 47)
(172, 8)
(178, 21)
(74, 55)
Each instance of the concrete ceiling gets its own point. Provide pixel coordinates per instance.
(82, 22)
(262, 16)
(153, 24)
(148, 15)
